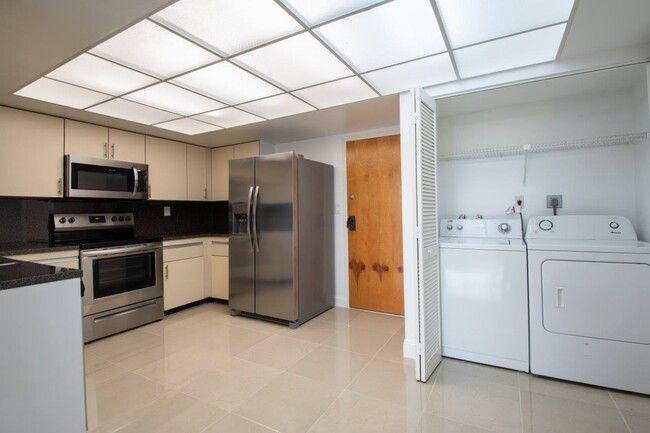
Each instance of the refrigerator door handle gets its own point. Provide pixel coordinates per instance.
(248, 218)
(254, 221)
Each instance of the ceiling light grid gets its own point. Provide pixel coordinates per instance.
(198, 57)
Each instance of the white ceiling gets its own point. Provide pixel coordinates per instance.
(71, 27)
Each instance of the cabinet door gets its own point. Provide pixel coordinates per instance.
(85, 139)
(31, 154)
(219, 267)
(184, 282)
(197, 169)
(246, 150)
(126, 146)
(167, 169)
(220, 158)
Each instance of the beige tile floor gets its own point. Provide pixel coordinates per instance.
(201, 370)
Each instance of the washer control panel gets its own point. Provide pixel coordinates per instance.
(479, 228)
(581, 227)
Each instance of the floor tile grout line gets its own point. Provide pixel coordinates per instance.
(620, 412)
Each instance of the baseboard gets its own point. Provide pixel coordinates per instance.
(196, 304)
(409, 349)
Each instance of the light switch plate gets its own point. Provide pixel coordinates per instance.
(167, 210)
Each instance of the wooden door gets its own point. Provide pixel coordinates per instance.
(375, 245)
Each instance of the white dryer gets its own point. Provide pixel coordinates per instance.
(589, 281)
(484, 292)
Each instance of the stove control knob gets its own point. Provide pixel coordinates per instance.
(62, 220)
(127, 218)
(504, 228)
(614, 225)
(546, 225)
(460, 227)
(113, 218)
(121, 218)
(71, 220)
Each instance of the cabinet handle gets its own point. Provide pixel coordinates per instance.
(105, 150)
(148, 190)
(167, 272)
(113, 151)
(59, 186)
(205, 194)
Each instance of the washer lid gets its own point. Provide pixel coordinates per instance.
(483, 244)
(590, 246)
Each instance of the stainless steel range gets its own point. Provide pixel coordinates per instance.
(122, 274)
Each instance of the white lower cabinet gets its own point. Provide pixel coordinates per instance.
(219, 263)
(183, 274)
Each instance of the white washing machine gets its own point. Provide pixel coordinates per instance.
(589, 301)
(484, 292)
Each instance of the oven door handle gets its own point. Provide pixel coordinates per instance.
(136, 181)
(142, 248)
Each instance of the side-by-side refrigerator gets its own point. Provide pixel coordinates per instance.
(281, 237)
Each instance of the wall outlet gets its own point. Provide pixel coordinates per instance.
(549, 201)
(167, 211)
(519, 201)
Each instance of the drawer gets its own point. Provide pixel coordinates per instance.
(182, 252)
(219, 248)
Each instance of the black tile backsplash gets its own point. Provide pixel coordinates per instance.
(27, 219)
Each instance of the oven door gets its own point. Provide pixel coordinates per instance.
(101, 178)
(119, 276)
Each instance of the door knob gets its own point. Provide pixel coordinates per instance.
(351, 223)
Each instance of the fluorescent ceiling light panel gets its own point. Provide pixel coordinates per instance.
(337, 92)
(56, 92)
(101, 75)
(228, 26)
(228, 83)
(471, 21)
(508, 53)
(296, 62)
(424, 72)
(316, 12)
(392, 33)
(172, 98)
(277, 106)
(127, 110)
(187, 126)
(229, 117)
(150, 48)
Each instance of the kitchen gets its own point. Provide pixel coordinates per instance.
(612, 181)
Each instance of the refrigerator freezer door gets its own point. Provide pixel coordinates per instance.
(276, 231)
(242, 257)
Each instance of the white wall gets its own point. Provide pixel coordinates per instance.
(643, 167)
(331, 150)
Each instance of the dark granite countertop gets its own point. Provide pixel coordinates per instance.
(198, 235)
(14, 273)
(16, 248)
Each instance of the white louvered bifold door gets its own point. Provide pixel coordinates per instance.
(429, 349)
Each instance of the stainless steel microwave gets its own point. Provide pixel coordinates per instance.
(102, 178)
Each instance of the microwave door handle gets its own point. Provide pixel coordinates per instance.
(248, 217)
(136, 181)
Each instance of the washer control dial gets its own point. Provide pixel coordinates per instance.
(450, 227)
(460, 227)
(504, 228)
(614, 225)
(546, 225)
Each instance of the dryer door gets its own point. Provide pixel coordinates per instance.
(604, 300)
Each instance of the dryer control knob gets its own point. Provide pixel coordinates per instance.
(450, 227)
(546, 225)
(614, 225)
(504, 228)
(460, 227)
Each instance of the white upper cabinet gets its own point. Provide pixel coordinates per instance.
(220, 160)
(31, 154)
(97, 141)
(167, 162)
(246, 150)
(197, 172)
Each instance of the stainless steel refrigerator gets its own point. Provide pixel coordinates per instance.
(281, 237)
